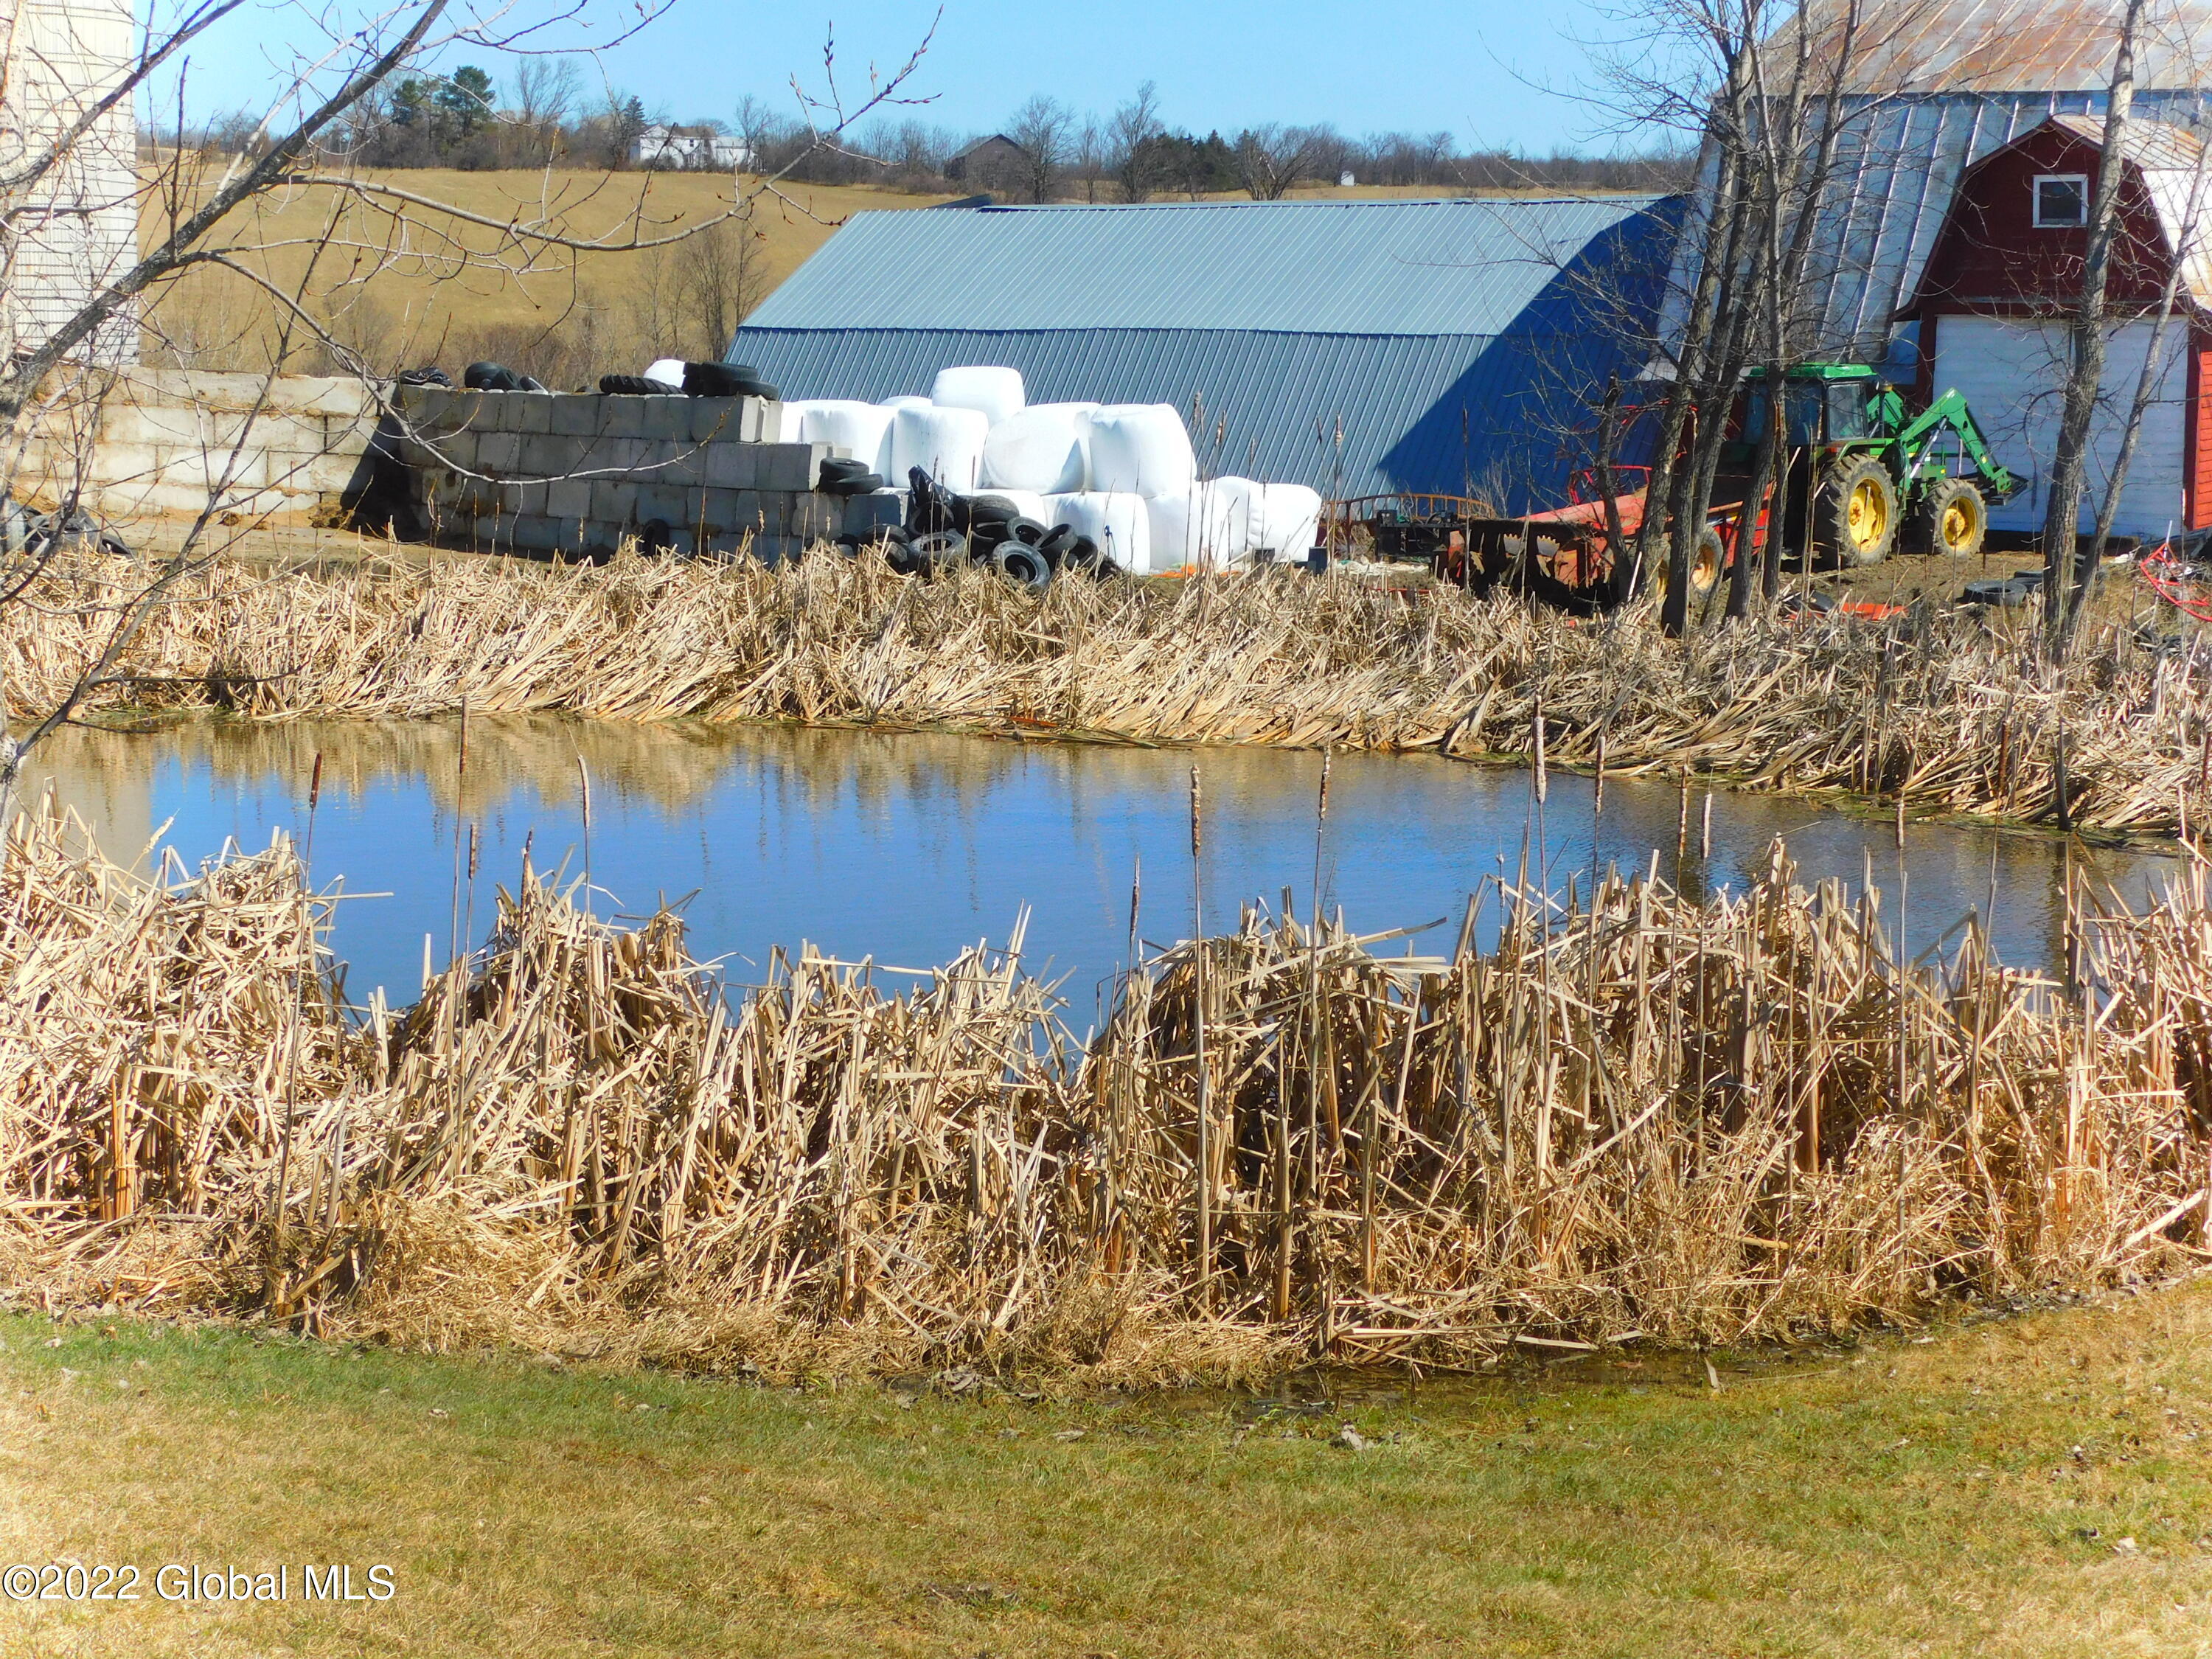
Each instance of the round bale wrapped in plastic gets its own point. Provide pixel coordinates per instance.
(1139, 449)
(1225, 518)
(945, 443)
(1290, 521)
(860, 430)
(1039, 449)
(790, 419)
(1172, 529)
(1121, 524)
(905, 400)
(994, 393)
(668, 371)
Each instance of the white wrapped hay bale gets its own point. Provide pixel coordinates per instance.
(791, 420)
(945, 443)
(994, 393)
(1139, 449)
(1224, 519)
(1171, 530)
(857, 430)
(905, 400)
(1120, 523)
(1290, 521)
(1039, 449)
(667, 371)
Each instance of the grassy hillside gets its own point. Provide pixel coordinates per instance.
(2028, 1487)
(431, 287)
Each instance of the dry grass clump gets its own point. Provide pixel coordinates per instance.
(1637, 1118)
(1946, 709)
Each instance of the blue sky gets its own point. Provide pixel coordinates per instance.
(1492, 73)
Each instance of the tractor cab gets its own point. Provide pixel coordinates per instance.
(1824, 406)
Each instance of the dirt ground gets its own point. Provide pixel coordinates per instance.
(2121, 594)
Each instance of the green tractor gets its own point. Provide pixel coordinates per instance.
(1861, 474)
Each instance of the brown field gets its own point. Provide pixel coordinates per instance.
(439, 289)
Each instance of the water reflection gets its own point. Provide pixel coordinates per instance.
(906, 847)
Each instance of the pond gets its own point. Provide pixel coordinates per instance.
(907, 847)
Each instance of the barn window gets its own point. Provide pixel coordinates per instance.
(2062, 201)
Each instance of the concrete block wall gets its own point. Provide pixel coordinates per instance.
(577, 473)
(150, 442)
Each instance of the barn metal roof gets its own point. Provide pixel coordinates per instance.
(1905, 46)
(1369, 267)
(1496, 399)
(1899, 164)
(2153, 146)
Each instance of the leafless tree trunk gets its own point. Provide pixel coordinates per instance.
(1040, 127)
(1090, 162)
(2065, 584)
(1131, 133)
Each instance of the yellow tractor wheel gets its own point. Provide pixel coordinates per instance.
(1855, 517)
(1951, 518)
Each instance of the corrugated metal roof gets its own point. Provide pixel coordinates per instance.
(1899, 164)
(1504, 409)
(1386, 267)
(2153, 146)
(2017, 46)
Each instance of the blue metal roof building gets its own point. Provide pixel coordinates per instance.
(1455, 345)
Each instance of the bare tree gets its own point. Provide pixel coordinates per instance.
(1775, 111)
(1041, 127)
(1088, 156)
(1272, 160)
(689, 298)
(2065, 584)
(546, 93)
(1131, 138)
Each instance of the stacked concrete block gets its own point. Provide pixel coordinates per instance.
(554, 473)
(153, 441)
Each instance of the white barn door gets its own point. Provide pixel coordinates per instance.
(2013, 376)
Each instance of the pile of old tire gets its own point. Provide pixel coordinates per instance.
(946, 527)
(727, 381)
(841, 475)
(636, 386)
(497, 377)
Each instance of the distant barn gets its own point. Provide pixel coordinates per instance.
(996, 163)
(74, 230)
(1360, 347)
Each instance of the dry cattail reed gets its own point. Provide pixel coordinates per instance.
(1965, 721)
(1575, 1137)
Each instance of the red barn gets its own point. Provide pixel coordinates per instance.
(2005, 274)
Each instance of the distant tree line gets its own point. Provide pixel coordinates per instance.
(543, 116)
(1132, 155)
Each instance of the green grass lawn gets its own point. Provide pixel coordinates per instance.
(1969, 1495)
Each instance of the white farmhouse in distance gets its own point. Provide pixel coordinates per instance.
(76, 225)
(661, 146)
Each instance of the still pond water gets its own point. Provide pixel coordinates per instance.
(907, 847)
